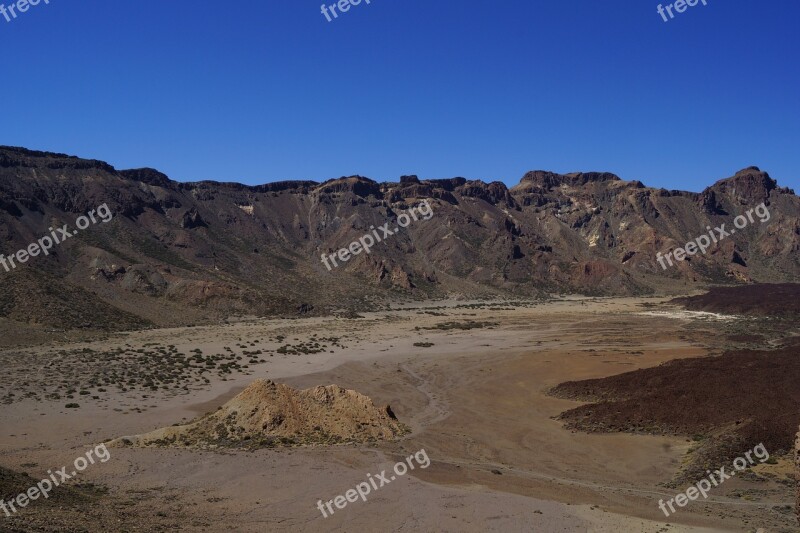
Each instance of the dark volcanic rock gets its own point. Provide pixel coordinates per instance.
(755, 398)
(22, 157)
(757, 300)
(147, 175)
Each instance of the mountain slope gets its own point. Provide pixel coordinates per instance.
(177, 253)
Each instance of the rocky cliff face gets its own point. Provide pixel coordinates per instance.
(188, 252)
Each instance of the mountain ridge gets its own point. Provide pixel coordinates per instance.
(195, 252)
(154, 176)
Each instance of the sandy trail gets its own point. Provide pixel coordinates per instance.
(436, 410)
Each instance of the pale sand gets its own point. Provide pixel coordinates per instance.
(475, 401)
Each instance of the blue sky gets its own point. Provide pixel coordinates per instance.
(264, 90)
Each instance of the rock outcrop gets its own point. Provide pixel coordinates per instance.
(268, 414)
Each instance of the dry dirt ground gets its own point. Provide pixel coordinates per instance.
(470, 379)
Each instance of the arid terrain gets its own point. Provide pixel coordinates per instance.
(400, 267)
(240, 383)
(473, 381)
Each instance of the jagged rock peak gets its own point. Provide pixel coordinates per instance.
(752, 173)
(748, 185)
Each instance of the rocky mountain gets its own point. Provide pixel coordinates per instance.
(180, 253)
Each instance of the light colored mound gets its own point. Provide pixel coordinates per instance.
(267, 414)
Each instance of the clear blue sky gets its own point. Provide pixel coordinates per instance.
(264, 90)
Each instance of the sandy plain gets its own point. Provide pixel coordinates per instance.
(475, 399)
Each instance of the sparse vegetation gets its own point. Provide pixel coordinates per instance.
(467, 325)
